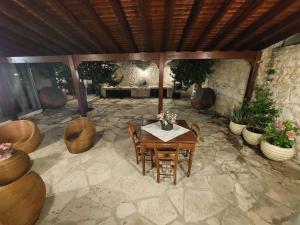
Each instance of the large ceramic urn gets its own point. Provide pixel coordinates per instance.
(203, 98)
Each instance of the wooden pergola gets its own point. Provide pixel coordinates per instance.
(73, 31)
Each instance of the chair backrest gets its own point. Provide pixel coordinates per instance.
(196, 130)
(162, 148)
(133, 133)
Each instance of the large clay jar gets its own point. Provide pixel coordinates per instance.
(203, 98)
(14, 167)
(23, 134)
(51, 97)
(21, 201)
(79, 135)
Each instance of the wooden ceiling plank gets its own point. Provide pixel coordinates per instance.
(271, 32)
(23, 17)
(214, 21)
(169, 9)
(17, 47)
(51, 21)
(195, 11)
(84, 32)
(23, 32)
(280, 35)
(19, 40)
(248, 32)
(233, 24)
(144, 23)
(101, 27)
(118, 9)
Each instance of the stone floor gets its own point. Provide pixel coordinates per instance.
(230, 184)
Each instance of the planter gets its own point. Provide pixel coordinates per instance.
(203, 98)
(169, 126)
(276, 153)
(236, 128)
(22, 200)
(251, 137)
(14, 167)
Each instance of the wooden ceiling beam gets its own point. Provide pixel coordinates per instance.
(19, 40)
(118, 9)
(142, 6)
(249, 32)
(216, 43)
(102, 29)
(86, 35)
(195, 11)
(23, 32)
(16, 47)
(214, 21)
(167, 25)
(279, 36)
(271, 32)
(55, 24)
(23, 17)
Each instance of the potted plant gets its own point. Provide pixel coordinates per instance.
(193, 72)
(278, 141)
(167, 119)
(260, 112)
(238, 119)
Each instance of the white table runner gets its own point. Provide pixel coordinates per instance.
(164, 135)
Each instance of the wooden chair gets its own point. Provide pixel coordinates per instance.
(166, 155)
(137, 147)
(196, 130)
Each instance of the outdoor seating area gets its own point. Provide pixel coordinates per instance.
(150, 112)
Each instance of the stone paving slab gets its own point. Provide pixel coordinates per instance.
(230, 183)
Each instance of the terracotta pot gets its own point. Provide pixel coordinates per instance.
(203, 98)
(236, 128)
(14, 167)
(79, 135)
(276, 153)
(21, 201)
(23, 134)
(252, 138)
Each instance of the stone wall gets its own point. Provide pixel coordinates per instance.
(134, 76)
(286, 81)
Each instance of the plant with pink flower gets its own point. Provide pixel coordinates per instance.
(6, 150)
(282, 134)
(167, 117)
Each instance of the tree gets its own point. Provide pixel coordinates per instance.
(99, 72)
(188, 72)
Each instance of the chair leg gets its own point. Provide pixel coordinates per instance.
(151, 155)
(157, 171)
(137, 156)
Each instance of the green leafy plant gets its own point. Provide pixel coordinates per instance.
(58, 73)
(99, 72)
(239, 114)
(188, 72)
(261, 111)
(282, 134)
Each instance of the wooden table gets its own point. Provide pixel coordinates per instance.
(186, 141)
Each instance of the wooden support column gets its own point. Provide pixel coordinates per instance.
(161, 65)
(7, 103)
(252, 78)
(79, 92)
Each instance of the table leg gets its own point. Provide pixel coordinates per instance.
(143, 159)
(190, 161)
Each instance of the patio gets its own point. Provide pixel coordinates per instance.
(230, 183)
